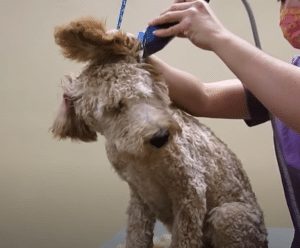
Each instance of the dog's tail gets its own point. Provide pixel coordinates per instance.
(87, 39)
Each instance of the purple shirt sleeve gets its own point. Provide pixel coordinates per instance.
(258, 113)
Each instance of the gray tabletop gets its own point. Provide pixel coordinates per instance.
(278, 237)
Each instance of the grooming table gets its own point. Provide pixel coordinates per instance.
(278, 237)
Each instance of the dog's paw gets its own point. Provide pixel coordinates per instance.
(162, 242)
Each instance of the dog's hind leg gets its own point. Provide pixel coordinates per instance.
(236, 225)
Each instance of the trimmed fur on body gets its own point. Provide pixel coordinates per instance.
(178, 171)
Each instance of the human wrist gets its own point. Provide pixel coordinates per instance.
(220, 39)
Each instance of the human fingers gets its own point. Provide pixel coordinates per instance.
(178, 7)
(174, 30)
(182, 1)
(168, 17)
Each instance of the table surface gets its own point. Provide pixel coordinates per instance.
(278, 237)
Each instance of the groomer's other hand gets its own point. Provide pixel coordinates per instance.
(195, 21)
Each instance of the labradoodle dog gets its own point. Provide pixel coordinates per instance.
(178, 171)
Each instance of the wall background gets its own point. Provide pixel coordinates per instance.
(63, 194)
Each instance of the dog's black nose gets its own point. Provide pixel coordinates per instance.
(160, 138)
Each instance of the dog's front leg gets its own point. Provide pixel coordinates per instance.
(188, 224)
(141, 223)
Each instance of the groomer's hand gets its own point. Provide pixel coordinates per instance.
(195, 21)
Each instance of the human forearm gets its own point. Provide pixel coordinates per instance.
(224, 99)
(275, 83)
(227, 99)
(185, 90)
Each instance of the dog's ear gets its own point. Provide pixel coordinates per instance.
(68, 125)
(87, 39)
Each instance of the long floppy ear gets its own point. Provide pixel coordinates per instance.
(87, 39)
(68, 125)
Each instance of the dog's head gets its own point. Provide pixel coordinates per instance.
(86, 40)
(117, 94)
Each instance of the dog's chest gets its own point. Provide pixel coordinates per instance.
(152, 191)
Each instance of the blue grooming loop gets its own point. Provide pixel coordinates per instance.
(122, 9)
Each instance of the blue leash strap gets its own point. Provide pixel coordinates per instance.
(120, 19)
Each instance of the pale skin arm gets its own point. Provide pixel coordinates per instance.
(224, 99)
(275, 83)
